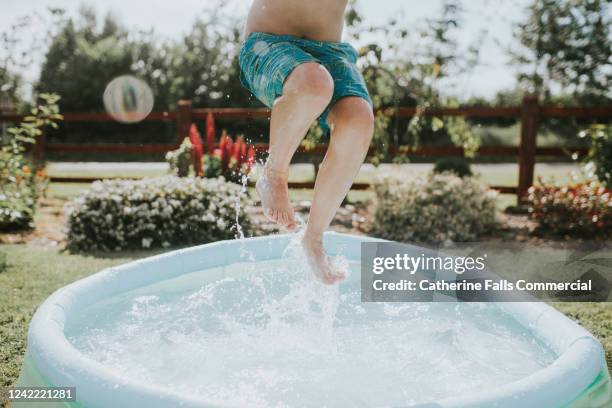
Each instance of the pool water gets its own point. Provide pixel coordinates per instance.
(266, 334)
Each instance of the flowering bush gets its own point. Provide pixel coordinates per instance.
(153, 212)
(583, 210)
(433, 207)
(20, 182)
(600, 152)
(231, 160)
(18, 197)
(180, 160)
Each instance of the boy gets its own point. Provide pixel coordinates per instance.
(293, 62)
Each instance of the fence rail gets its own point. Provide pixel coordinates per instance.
(530, 114)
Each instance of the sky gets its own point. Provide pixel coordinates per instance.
(172, 18)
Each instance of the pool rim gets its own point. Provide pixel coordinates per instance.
(580, 355)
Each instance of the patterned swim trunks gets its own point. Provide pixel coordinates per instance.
(267, 59)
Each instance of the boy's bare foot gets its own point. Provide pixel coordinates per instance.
(319, 262)
(274, 195)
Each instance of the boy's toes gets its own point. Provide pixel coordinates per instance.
(282, 217)
(276, 216)
(336, 275)
(340, 276)
(333, 278)
(272, 215)
(328, 280)
(290, 220)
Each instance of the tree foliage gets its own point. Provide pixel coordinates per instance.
(567, 49)
(407, 70)
(566, 56)
(20, 45)
(85, 55)
(20, 181)
(82, 59)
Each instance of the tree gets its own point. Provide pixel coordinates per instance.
(84, 56)
(202, 67)
(403, 66)
(82, 59)
(21, 44)
(9, 89)
(567, 50)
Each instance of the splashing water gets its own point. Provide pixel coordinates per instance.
(263, 334)
(237, 205)
(244, 253)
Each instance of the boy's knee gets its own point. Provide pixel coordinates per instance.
(354, 113)
(310, 79)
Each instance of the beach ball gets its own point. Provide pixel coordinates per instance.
(128, 99)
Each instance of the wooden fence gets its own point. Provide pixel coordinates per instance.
(530, 114)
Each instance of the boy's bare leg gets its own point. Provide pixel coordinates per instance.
(352, 123)
(306, 93)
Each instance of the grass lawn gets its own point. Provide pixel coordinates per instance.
(502, 174)
(33, 274)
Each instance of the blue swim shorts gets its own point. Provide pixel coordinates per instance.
(267, 59)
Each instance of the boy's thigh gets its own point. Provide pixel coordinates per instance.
(266, 61)
(348, 82)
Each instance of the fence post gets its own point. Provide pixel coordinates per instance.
(183, 119)
(530, 117)
(38, 150)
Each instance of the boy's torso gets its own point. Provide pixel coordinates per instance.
(320, 20)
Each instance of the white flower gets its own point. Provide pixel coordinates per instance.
(146, 242)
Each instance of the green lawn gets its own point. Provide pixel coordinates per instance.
(502, 174)
(33, 274)
(505, 174)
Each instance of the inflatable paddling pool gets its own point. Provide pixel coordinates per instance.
(238, 323)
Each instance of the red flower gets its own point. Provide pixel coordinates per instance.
(210, 133)
(226, 147)
(237, 150)
(197, 152)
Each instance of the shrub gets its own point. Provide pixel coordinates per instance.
(180, 160)
(20, 182)
(458, 165)
(232, 160)
(153, 212)
(433, 207)
(213, 166)
(581, 210)
(600, 152)
(18, 202)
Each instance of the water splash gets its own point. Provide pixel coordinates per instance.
(244, 253)
(263, 334)
(238, 205)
